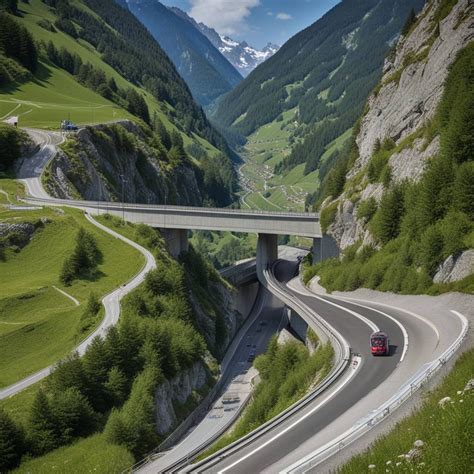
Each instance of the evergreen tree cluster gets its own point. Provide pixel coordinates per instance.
(126, 45)
(331, 79)
(112, 387)
(97, 80)
(84, 259)
(17, 44)
(420, 224)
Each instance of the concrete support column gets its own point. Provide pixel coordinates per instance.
(267, 252)
(298, 324)
(176, 241)
(324, 247)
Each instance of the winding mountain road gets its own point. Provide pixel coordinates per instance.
(416, 340)
(30, 175)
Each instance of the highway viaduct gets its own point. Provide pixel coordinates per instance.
(176, 221)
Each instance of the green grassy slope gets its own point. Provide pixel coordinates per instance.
(55, 95)
(38, 324)
(267, 148)
(93, 454)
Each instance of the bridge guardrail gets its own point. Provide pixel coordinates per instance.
(342, 351)
(104, 205)
(366, 424)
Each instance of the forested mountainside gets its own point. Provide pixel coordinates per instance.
(317, 83)
(206, 71)
(400, 201)
(240, 54)
(90, 164)
(93, 62)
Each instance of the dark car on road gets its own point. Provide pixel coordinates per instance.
(379, 344)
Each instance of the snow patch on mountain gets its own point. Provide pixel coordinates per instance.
(241, 55)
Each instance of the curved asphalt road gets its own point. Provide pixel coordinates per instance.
(376, 380)
(30, 173)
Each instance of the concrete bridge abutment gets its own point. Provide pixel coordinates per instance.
(323, 248)
(176, 241)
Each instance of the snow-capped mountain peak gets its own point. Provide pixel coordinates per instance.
(241, 55)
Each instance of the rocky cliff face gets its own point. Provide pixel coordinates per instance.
(413, 80)
(177, 391)
(92, 163)
(402, 105)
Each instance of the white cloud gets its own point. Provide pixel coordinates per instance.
(284, 16)
(226, 16)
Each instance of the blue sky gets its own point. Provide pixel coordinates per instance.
(256, 21)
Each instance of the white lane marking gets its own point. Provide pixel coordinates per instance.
(306, 415)
(67, 295)
(411, 313)
(398, 323)
(367, 321)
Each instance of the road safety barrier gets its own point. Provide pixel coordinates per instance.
(367, 423)
(342, 361)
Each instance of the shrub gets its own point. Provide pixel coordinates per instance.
(328, 215)
(367, 209)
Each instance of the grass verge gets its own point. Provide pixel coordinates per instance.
(287, 372)
(446, 431)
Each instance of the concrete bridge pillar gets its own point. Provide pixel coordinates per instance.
(324, 247)
(176, 241)
(267, 252)
(298, 324)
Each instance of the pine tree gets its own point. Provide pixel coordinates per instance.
(431, 249)
(163, 133)
(435, 194)
(116, 386)
(42, 426)
(73, 415)
(68, 373)
(387, 220)
(464, 189)
(12, 443)
(96, 367)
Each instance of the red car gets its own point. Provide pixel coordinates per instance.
(379, 344)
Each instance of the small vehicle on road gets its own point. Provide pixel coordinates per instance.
(379, 344)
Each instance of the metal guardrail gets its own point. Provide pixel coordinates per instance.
(211, 396)
(367, 423)
(168, 208)
(342, 351)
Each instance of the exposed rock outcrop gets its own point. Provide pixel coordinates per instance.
(18, 235)
(410, 91)
(232, 318)
(92, 164)
(455, 268)
(177, 390)
(412, 84)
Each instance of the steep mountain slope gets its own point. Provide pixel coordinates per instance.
(206, 71)
(400, 203)
(243, 57)
(314, 88)
(95, 62)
